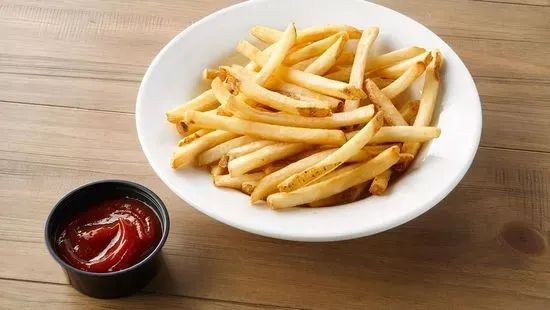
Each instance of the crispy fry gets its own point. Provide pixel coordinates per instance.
(205, 101)
(302, 65)
(243, 150)
(382, 82)
(216, 153)
(185, 130)
(268, 185)
(427, 101)
(192, 137)
(341, 74)
(209, 74)
(266, 155)
(338, 184)
(283, 86)
(349, 149)
(347, 196)
(270, 35)
(409, 110)
(380, 183)
(216, 170)
(249, 186)
(405, 134)
(391, 115)
(336, 120)
(345, 59)
(394, 57)
(322, 64)
(186, 154)
(237, 182)
(395, 71)
(314, 49)
(276, 166)
(278, 54)
(404, 81)
(266, 131)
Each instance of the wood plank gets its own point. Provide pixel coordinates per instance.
(520, 2)
(29, 295)
(452, 252)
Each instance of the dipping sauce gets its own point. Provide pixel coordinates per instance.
(111, 236)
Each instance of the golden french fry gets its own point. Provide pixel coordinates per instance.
(302, 65)
(347, 196)
(345, 59)
(307, 80)
(266, 155)
(368, 152)
(266, 131)
(278, 55)
(268, 185)
(391, 115)
(216, 170)
(216, 153)
(205, 101)
(314, 49)
(249, 186)
(380, 183)
(186, 154)
(310, 34)
(336, 120)
(428, 100)
(276, 166)
(243, 150)
(382, 82)
(395, 71)
(357, 74)
(185, 130)
(237, 182)
(409, 110)
(192, 137)
(404, 81)
(363, 173)
(283, 86)
(322, 64)
(407, 133)
(327, 165)
(341, 74)
(209, 74)
(394, 57)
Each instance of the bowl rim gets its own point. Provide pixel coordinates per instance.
(427, 205)
(159, 206)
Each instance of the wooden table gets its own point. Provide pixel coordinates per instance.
(69, 74)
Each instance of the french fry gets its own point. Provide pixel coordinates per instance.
(380, 183)
(347, 196)
(368, 152)
(404, 81)
(302, 65)
(209, 74)
(394, 57)
(266, 131)
(382, 82)
(205, 101)
(185, 155)
(395, 71)
(314, 49)
(307, 80)
(185, 130)
(336, 120)
(249, 186)
(427, 101)
(409, 110)
(278, 54)
(391, 114)
(243, 150)
(341, 74)
(283, 86)
(278, 165)
(322, 64)
(270, 35)
(357, 74)
(324, 167)
(216, 170)
(266, 155)
(237, 182)
(216, 153)
(396, 134)
(268, 185)
(192, 137)
(338, 184)
(345, 59)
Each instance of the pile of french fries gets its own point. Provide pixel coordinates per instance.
(306, 122)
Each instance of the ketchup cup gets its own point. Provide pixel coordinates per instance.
(113, 282)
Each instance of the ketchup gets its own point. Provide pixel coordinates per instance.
(110, 236)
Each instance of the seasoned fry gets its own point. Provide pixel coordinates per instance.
(336, 120)
(404, 81)
(205, 101)
(270, 35)
(209, 74)
(350, 148)
(192, 137)
(237, 182)
(283, 86)
(266, 155)
(243, 150)
(186, 154)
(266, 131)
(249, 186)
(394, 57)
(268, 185)
(395, 71)
(278, 54)
(322, 64)
(216, 153)
(380, 183)
(360, 64)
(338, 184)
(427, 101)
(391, 115)
(314, 49)
(409, 110)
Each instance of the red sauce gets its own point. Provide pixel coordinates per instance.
(111, 236)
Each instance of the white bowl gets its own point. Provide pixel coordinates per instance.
(175, 73)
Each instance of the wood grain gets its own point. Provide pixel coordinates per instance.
(69, 73)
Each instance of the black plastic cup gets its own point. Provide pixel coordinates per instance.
(109, 284)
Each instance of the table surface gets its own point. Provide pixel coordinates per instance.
(69, 74)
